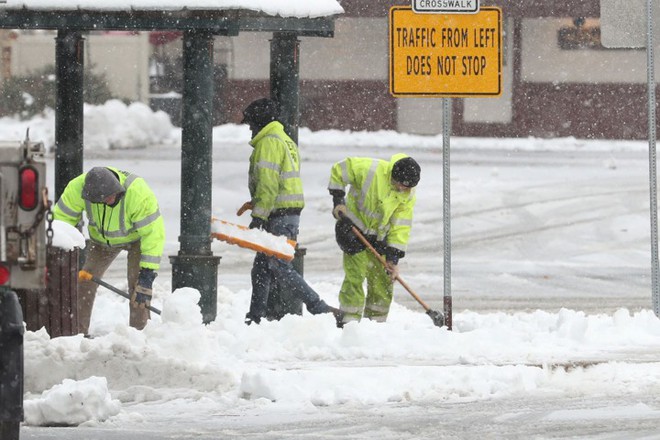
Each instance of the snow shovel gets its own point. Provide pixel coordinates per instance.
(437, 317)
(253, 239)
(84, 275)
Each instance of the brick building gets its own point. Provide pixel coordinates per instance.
(558, 79)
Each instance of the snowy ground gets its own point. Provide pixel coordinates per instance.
(554, 334)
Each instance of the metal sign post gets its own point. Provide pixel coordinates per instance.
(446, 208)
(623, 26)
(449, 54)
(652, 158)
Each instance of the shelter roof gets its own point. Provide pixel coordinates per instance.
(282, 8)
(222, 17)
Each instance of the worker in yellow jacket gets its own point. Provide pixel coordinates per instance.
(276, 201)
(380, 204)
(123, 214)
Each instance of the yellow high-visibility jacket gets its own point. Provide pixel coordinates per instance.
(135, 217)
(274, 175)
(374, 206)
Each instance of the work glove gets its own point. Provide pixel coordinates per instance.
(247, 206)
(143, 289)
(393, 255)
(339, 211)
(392, 270)
(338, 203)
(257, 223)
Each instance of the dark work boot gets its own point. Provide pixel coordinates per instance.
(339, 316)
(249, 319)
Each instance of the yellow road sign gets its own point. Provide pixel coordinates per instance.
(445, 55)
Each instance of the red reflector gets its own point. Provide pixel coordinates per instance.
(28, 191)
(4, 274)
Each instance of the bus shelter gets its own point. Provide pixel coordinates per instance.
(194, 265)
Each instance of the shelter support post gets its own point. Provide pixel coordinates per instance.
(285, 79)
(285, 89)
(195, 266)
(69, 65)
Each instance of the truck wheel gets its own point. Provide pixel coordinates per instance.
(10, 430)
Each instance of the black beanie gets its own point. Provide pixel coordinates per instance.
(261, 112)
(406, 171)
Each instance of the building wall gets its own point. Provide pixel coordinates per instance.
(588, 93)
(547, 91)
(543, 61)
(122, 57)
(499, 109)
(30, 52)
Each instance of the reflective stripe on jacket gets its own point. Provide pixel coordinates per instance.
(274, 175)
(373, 204)
(135, 217)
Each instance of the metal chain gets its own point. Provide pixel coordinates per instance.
(49, 216)
(49, 229)
(44, 210)
(37, 220)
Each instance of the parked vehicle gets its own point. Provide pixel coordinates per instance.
(24, 207)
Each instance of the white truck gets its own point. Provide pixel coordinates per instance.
(24, 208)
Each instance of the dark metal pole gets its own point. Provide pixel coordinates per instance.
(69, 64)
(195, 266)
(285, 89)
(285, 79)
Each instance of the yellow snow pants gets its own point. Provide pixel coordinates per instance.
(376, 305)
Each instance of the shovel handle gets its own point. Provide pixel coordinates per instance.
(84, 275)
(245, 207)
(382, 260)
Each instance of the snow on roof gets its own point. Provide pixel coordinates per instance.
(284, 8)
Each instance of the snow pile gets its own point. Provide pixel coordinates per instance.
(182, 308)
(66, 236)
(304, 361)
(115, 126)
(72, 403)
(536, 238)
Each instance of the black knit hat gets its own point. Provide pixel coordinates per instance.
(406, 171)
(261, 112)
(101, 183)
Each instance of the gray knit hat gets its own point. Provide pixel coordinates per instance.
(101, 183)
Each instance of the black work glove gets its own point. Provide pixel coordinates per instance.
(143, 288)
(338, 203)
(257, 223)
(337, 197)
(392, 255)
